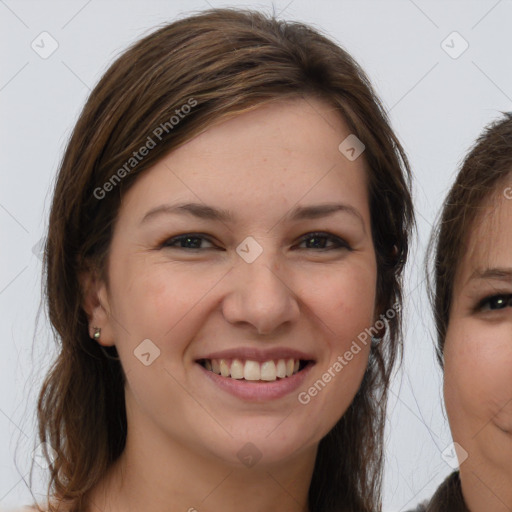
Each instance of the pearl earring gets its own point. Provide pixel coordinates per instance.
(97, 333)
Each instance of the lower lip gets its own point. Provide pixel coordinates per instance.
(257, 391)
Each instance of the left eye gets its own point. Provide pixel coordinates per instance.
(496, 302)
(318, 244)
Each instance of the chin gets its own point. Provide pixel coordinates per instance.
(261, 448)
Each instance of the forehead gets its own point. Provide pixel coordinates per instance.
(295, 128)
(489, 241)
(278, 154)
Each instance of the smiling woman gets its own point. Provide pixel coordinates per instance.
(225, 276)
(471, 294)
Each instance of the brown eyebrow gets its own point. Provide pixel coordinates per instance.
(498, 273)
(204, 211)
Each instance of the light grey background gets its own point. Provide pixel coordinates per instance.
(437, 104)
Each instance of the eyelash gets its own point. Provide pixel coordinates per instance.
(486, 303)
(341, 244)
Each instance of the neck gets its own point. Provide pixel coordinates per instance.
(156, 474)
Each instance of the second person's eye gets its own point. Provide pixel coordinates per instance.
(495, 302)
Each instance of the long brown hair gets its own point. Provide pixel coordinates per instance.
(483, 173)
(220, 62)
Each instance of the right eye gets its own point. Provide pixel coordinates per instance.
(495, 302)
(191, 241)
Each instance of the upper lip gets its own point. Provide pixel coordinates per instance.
(259, 355)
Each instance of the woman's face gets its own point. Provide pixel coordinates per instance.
(247, 290)
(478, 349)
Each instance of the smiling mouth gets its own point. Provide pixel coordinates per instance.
(249, 370)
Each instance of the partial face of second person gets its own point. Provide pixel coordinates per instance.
(305, 296)
(478, 359)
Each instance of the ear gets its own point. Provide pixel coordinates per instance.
(96, 306)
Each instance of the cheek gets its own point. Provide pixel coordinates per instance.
(478, 373)
(163, 304)
(346, 309)
(349, 303)
(152, 300)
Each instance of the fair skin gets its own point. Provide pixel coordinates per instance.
(478, 360)
(196, 298)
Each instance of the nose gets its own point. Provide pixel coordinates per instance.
(260, 297)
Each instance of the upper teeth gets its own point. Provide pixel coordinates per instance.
(252, 370)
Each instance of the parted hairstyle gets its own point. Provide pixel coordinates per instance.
(221, 63)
